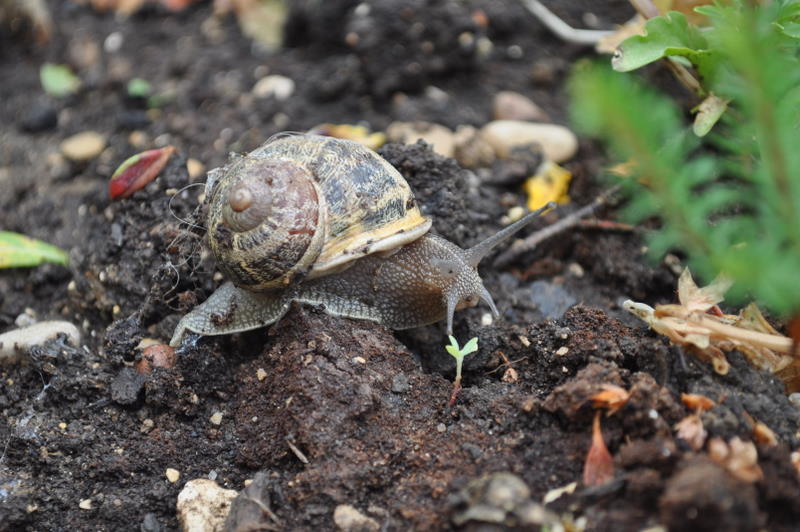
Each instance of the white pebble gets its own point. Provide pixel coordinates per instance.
(348, 519)
(203, 506)
(18, 342)
(279, 87)
(441, 138)
(113, 42)
(558, 143)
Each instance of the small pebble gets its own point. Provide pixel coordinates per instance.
(203, 506)
(486, 319)
(172, 475)
(26, 319)
(150, 523)
(216, 418)
(348, 519)
(83, 146)
(15, 343)
(438, 136)
(441, 427)
(562, 351)
(400, 383)
(576, 270)
(279, 87)
(470, 149)
(261, 374)
(39, 118)
(794, 398)
(147, 426)
(195, 168)
(85, 504)
(558, 143)
(113, 42)
(510, 105)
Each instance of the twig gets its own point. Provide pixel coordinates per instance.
(520, 247)
(561, 28)
(297, 452)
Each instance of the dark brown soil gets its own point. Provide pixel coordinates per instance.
(365, 405)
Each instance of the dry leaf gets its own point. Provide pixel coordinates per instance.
(599, 466)
(695, 299)
(610, 43)
(697, 402)
(611, 397)
(738, 457)
(686, 7)
(550, 183)
(708, 336)
(360, 134)
(556, 493)
(764, 435)
(691, 430)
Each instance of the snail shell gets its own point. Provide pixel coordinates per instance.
(307, 206)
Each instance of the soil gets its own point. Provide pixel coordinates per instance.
(335, 411)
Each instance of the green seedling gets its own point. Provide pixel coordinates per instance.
(58, 80)
(19, 251)
(139, 88)
(459, 353)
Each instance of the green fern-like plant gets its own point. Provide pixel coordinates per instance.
(730, 200)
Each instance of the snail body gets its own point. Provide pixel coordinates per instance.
(329, 222)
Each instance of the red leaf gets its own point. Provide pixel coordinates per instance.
(138, 171)
(599, 466)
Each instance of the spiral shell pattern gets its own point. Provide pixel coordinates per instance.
(306, 206)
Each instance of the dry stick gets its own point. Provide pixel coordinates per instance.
(520, 247)
(561, 28)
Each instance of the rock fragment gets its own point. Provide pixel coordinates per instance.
(203, 506)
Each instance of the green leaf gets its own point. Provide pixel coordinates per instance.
(18, 251)
(58, 80)
(667, 35)
(453, 348)
(139, 88)
(470, 346)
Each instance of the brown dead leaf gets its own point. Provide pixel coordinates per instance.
(691, 430)
(695, 299)
(610, 43)
(686, 7)
(599, 466)
(696, 402)
(738, 457)
(764, 435)
(708, 336)
(611, 397)
(790, 375)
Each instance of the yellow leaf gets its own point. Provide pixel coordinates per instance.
(551, 183)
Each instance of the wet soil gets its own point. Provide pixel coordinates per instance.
(336, 411)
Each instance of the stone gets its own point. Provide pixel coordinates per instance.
(203, 506)
(348, 519)
(438, 136)
(279, 87)
(558, 142)
(83, 146)
(510, 105)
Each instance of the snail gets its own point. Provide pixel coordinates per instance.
(329, 222)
